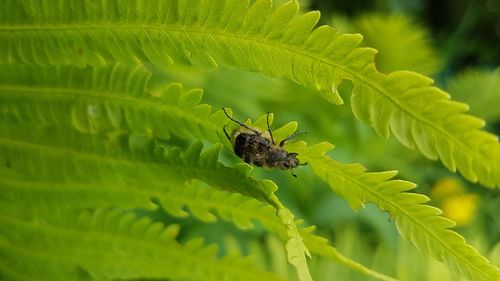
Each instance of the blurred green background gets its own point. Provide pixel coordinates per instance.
(457, 43)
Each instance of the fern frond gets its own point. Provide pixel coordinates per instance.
(274, 42)
(105, 99)
(424, 118)
(480, 89)
(200, 200)
(59, 154)
(109, 244)
(46, 154)
(415, 221)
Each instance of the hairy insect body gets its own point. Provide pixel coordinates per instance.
(258, 148)
(260, 151)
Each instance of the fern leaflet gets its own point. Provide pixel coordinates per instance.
(108, 244)
(415, 221)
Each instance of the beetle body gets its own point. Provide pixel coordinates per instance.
(261, 152)
(259, 149)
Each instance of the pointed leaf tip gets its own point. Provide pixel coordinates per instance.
(209, 158)
(191, 98)
(244, 168)
(193, 152)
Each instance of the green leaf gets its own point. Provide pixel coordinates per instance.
(420, 115)
(97, 100)
(108, 245)
(62, 155)
(201, 201)
(415, 221)
(30, 150)
(425, 119)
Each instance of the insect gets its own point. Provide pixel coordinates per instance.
(255, 148)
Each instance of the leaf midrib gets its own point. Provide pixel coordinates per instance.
(77, 233)
(154, 192)
(65, 152)
(166, 28)
(61, 93)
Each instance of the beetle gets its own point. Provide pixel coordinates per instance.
(255, 148)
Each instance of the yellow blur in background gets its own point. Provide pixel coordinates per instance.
(452, 198)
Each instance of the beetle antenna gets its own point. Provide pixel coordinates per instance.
(269, 128)
(239, 123)
(225, 132)
(291, 137)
